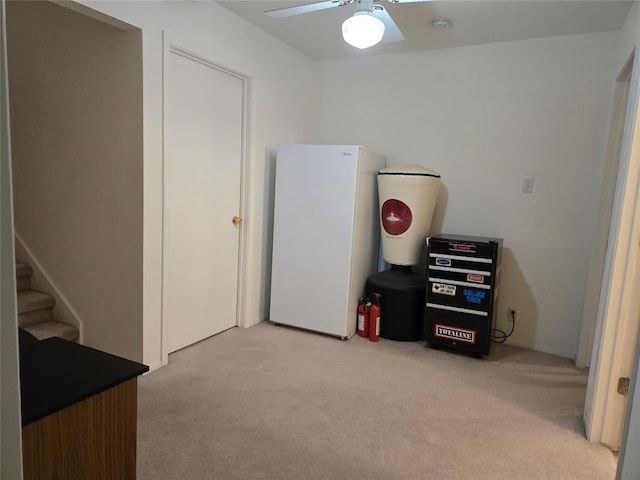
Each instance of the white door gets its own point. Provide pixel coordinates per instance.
(629, 462)
(203, 115)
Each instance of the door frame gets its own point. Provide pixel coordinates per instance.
(605, 213)
(10, 425)
(604, 407)
(170, 47)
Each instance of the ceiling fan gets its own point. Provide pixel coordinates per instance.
(370, 24)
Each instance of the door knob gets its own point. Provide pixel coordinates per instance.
(236, 220)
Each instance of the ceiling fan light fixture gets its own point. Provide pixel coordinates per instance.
(363, 30)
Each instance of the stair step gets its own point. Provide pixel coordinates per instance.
(23, 277)
(34, 307)
(30, 300)
(23, 270)
(52, 328)
(23, 284)
(40, 315)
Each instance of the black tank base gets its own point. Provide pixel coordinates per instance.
(402, 302)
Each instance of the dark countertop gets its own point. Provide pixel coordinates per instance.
(57, 373)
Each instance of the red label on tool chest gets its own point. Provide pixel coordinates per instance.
(472, 277)
(459, 247)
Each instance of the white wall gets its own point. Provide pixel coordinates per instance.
(76, 108)
(281, 83)
(484, 117)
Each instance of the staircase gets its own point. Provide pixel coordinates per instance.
(35, 310)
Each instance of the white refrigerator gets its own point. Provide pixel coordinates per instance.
(325, 235)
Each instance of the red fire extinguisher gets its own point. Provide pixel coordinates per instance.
(364, 307)
(374, 319)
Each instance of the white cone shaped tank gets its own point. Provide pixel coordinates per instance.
(407, 195)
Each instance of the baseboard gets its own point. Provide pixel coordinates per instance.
(542, 348)
(154, 366)
(248, 324)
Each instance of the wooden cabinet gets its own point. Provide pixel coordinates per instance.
(85, 428)
(93, 439)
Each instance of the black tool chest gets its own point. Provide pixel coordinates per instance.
(462, 291)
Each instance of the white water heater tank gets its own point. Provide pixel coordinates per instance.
(407, 195)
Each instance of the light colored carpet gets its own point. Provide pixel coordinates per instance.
(272, 402)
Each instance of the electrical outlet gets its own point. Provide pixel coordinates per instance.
(512, 314)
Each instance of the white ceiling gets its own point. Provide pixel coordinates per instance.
(318, 34)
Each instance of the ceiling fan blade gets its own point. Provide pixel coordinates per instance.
(391, 31)
(311, 7)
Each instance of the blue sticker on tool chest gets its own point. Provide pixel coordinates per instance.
(444, 262)
(474, 296)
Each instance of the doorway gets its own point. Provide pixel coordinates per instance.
(204, 138)
(618, 313)
(603, 221)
